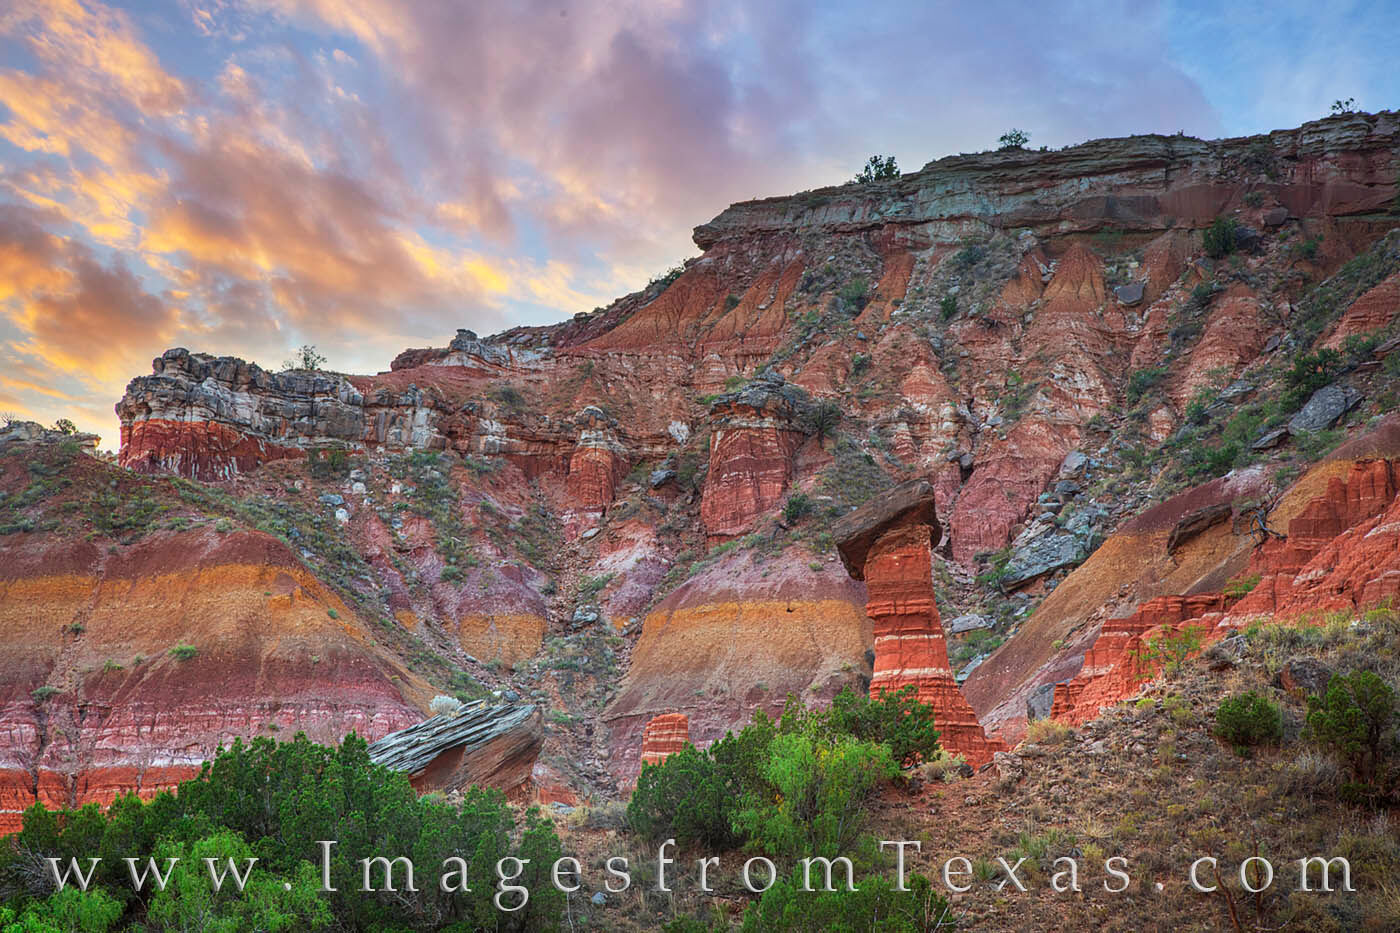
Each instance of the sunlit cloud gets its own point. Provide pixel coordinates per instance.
(242, 176)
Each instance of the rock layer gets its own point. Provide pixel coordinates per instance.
(664, 736)
(490, 746)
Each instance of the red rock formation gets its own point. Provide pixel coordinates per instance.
(909, 643)
(889, 543)
(98, 628)
(756, 435)
(1341, 551)
(1112, 669)
(598, 463)
(737, 636)
(664, 736)
(198, 449)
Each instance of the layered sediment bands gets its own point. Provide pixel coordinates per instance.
(888, 543)
(210, 417)
(1113, 669)
(119, 712)
(598, 464)
(489, 746)
(735, 637)
(1133, 565)
(664, 736)
(199, 449)
(1341, 551)
(1338, 166)
(756, 435)
(1371, 312)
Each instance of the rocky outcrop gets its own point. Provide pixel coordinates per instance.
(755, 435)
(1114, 668)
(889, 544)
(211, 417)
(1341, 551)
(1338, 166)
(490, 746)
(664, 736)
(1370, 313)
(599, 462)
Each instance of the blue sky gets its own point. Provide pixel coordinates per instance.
(242, 176)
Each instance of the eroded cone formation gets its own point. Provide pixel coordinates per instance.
(664, 736)
(889, 544)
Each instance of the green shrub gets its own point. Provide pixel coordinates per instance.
(823, 418)
(1307, 248)
(877, 167)
(40, 694)
(855, 293)
(1142, 381)
(1170, 650)
(798, 506)
(1310, 372)
(1013, 139)
(183, 652)
(328, 463)
(875, 904)
(948, 306)
(274, 801)
(684, 798)
(1248, 720)
(898, 719)
(1241, 586)
(1219, 238)
(1355, 721)
(67, 910)
(819, 791)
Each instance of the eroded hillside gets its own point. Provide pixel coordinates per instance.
(1104, 360)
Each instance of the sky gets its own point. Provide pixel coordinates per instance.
(243, 177)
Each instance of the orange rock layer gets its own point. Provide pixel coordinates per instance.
(1341, 552)
(909, 643)
(664, 736)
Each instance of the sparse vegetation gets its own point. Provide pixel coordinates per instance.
(877, 168)
(305, 357)
(183, 652)
(1220, 238)
(1013, 139)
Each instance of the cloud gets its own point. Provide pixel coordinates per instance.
(247, 175)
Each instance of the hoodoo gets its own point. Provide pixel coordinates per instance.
(888, 543)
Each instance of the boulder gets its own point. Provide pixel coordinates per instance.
(1306, 674)
(1039, 702)
(1196, 522)
(855, 532)
(1044, 554)
(1324, 409)
(1129, 294)
(1270, 439)
(659, 478)
(1275, 216)
(967, 623)
(1074, 462)
(492, 746)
